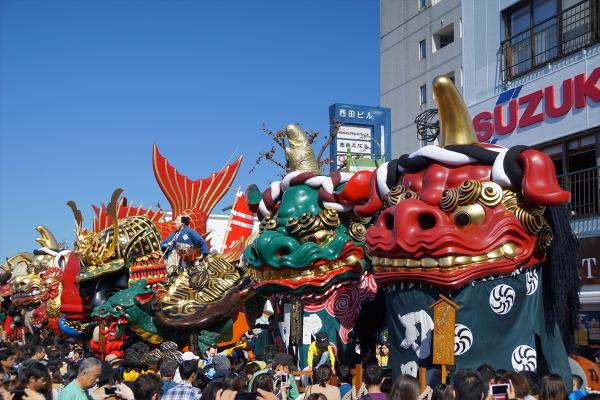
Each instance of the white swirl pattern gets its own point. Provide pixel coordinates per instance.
(502, 299)
(463, 339)
(532, 280)
(524, 358)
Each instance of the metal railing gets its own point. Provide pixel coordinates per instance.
(571, 30)
(584, 186)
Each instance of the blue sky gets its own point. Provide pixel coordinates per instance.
(86, 88)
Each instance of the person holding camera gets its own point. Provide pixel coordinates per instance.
(107, 388)
(283, 365)
(282, 376)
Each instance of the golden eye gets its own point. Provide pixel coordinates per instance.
(321, 237)
(466, 216)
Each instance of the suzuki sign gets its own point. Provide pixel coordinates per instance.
(549, 107)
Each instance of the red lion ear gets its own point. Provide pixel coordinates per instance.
(539, 184)
(357, 190)
(374, 202)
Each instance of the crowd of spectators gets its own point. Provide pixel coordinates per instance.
(50, 368)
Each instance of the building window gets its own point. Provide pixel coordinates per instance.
(537, 32)
(423, 4)
(451, 76)
(423, 95)
(576, 164)
(422, 49)
(443, 38)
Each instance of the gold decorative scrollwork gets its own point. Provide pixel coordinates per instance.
(330, 218)
(357, 231)
(544, 237)
(491, 194)
(315, 228)
(399, 193)
(189, 294)
(469, 191)
(393, 196)
(267, 223)
(449, 200)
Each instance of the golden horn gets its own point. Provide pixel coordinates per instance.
(299, 153)
(111, 210)
(77, 214)
(47, 239)
(25, 257)
(455, 122)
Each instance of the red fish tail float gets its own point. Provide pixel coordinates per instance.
(112, 269)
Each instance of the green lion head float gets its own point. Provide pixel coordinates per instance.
(311, 243)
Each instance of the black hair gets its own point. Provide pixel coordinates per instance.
(372, 375)
(264, 382)
(36, 370)
(33, 369)
(552, 387)
(211, 390)
(168, 367)
(185, 220)
(72, 371)
(201, 380)
(324, 373)
(232, 382)
(251, 369)
(34, 349)
(6, 354)
(406, 387)
(561, 277)
(344, 373)
(578, 380)
(146, 386)
(55, 373)
(468, 385)
(187, 369)
(487, 372)
(534, 381)
(316, 396)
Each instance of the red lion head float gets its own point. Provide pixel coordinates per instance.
(461, 211)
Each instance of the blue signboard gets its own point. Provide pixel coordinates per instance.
(363, 133)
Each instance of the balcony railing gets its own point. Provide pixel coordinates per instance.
(573, 29)
(584, 186)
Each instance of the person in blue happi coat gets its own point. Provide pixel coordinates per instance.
(181, 241)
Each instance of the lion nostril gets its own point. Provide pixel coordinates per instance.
(426, 221)
(283, 252)
(388, 220)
